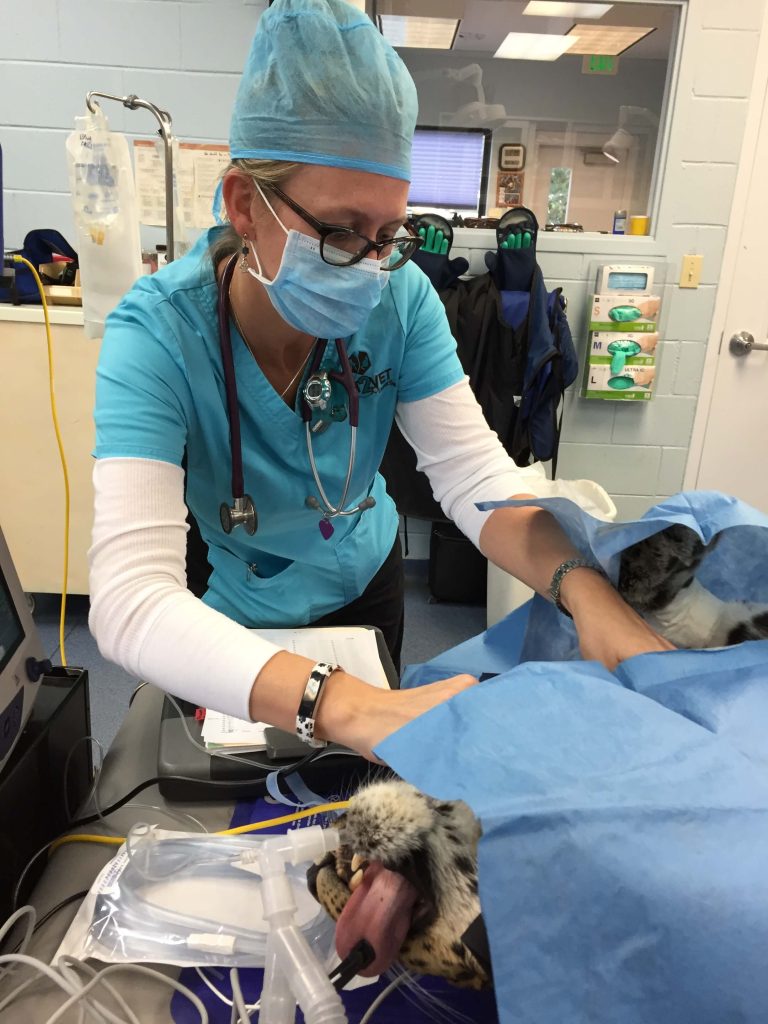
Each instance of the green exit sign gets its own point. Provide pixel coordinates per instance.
(600, 64)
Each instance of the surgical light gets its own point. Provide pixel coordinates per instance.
(423, 33)
(609, 40)
(552, 9)
(618, 145)
(631, 121)
(534, 46)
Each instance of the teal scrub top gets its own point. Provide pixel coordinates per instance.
(160, 394)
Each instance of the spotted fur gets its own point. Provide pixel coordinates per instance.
(434, 844)
(658, 578)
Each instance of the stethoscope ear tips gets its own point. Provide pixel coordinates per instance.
(242, 513)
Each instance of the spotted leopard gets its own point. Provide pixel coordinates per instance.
(405, 875)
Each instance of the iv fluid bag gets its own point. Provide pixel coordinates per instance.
(106, 216)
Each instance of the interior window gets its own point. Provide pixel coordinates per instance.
(565, 101)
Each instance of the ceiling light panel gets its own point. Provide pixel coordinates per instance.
(549, 9)
(424, 33)
(534, 46)
(610, 40)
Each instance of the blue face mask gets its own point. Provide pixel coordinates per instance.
(315, 297)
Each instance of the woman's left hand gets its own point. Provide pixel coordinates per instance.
(609, 630)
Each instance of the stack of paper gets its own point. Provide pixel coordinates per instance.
(352, 647)
(224, 731)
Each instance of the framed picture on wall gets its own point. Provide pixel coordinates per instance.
(509, 189)
(511, 156)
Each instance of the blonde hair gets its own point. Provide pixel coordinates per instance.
(261, 172)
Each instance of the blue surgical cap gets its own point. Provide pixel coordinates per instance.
(323, 86)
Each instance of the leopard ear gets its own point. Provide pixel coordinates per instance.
(714, 542)
(475, 938)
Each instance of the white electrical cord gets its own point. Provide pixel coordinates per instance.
(64, 976)
(395, 983)
(240, 1012)
(250, 1007)
(134, 969)
(78, 993)
(28, 912)
(68, 966)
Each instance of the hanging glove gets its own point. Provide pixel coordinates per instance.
(432, 257)
(514, 262)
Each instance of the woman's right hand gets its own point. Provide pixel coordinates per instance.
(362, 716)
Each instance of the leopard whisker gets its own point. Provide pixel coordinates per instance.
(437, 1008)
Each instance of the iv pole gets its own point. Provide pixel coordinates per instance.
(133, 102)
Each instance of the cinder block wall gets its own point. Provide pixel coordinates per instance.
(186, 57)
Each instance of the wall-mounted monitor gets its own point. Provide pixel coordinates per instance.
(450, 169)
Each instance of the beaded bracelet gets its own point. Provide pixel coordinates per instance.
(559, 575)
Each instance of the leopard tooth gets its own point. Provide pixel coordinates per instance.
(357, 862)
(356, 880)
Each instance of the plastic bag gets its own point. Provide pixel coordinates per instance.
(106, 216)
(181, 898)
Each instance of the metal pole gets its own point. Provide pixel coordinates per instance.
(133, 102)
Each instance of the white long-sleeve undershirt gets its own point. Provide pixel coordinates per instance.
(144, 618)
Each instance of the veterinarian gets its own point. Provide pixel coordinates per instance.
(313, 251)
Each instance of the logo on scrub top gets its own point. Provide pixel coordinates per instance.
(369, 383)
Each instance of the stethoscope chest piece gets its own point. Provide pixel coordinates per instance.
(241, 513)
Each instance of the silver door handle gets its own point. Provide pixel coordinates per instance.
(743, 343)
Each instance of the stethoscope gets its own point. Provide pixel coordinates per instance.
(316, 407)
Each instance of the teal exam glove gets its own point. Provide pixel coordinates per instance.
(517, 240)
(434, 240)
(432, 258)
(624, 314)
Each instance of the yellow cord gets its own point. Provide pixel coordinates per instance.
(340, 805)
(20, 259)
(82, 838)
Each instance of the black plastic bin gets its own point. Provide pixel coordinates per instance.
(457, 570)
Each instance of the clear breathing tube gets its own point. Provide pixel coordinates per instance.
(292, 972)
(129, 925)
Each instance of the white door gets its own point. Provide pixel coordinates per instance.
(729, 450)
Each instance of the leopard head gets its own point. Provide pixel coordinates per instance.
(405, 879)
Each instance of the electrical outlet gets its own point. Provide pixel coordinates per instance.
(690, 271)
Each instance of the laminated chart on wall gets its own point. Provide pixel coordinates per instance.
(197, 166)
(623, 334)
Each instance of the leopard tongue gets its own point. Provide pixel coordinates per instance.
(380, 911)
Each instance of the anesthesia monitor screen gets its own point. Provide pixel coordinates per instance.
(11, 633)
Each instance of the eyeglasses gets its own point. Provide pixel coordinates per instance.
(342, 247)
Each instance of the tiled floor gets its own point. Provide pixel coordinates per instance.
(429, 629)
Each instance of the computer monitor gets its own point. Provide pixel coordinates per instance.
(449, 169)
(20, 651)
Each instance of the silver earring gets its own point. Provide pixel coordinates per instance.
(244, 255)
